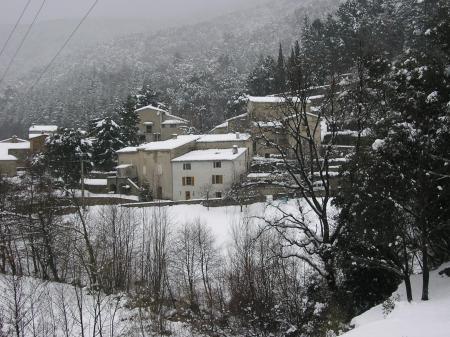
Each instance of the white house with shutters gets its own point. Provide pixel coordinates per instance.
(207, 173)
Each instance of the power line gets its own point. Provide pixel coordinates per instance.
(15, 27)
(23, 41)
(64, 45)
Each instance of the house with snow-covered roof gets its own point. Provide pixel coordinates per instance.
(38, 130)
(240, 123)
(156, 124)
(150, 165)
(267, 119)
(13, 154)
(38, 134)
(205, 174)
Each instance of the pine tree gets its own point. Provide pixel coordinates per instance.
(63, 155)
(146, 96)
(280, 73)
(261, 80)
(107, 136)
(128, 122)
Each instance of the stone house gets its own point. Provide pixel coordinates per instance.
(150, 165)
(266, 119)
(239, 123)
(38, 134)
(158, 125)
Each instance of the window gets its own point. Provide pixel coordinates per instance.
(149, 128)
(219, 195)
(186, 166)
(217, 164)
(217, 179)
(188, 181)
(156, 137)
(188, 195)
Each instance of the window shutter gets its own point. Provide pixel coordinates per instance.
(184, 181)
(193, 181)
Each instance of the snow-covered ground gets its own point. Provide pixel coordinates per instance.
(416, 319)
(223, 220)
(40, 308)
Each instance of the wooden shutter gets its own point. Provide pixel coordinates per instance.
(193, 181)
(184, 181)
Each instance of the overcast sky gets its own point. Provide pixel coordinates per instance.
(168, 9)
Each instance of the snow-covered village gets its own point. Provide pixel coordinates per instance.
(227, 168)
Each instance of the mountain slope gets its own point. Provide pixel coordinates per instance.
(198, 69)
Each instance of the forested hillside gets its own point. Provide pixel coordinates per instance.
(199, 70)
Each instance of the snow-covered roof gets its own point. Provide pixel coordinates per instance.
(173, 121)
(168, 115)
(225, 124)
(24, 145)
(13, 139)
(227, 137)
(165, 145)
(35, 135)
(165, 112)
(123, 166)
(129, 149)
(220, 126)
(259, 175)
(5, 147)
(277, 99)
(211, 155)
(96, 182)
(151, 107)
(43, 128)
(169, 144)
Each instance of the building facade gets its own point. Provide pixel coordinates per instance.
(206, 174)
(150, 165)
(156, 124)
(14, 153)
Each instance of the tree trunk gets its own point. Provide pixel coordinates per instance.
(425, 271)
(409, 295)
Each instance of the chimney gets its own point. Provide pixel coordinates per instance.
(174, 135)
(238, 136)
(235, 149)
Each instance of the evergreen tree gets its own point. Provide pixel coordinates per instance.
(107, 141)
(146, 96)
(63, 155)
(280, 73)
(261, 80)
(128, 122)
(408, 162)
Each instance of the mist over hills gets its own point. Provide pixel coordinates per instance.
(197, 69)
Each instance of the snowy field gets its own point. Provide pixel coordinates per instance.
(223, 220)
(416, 319)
